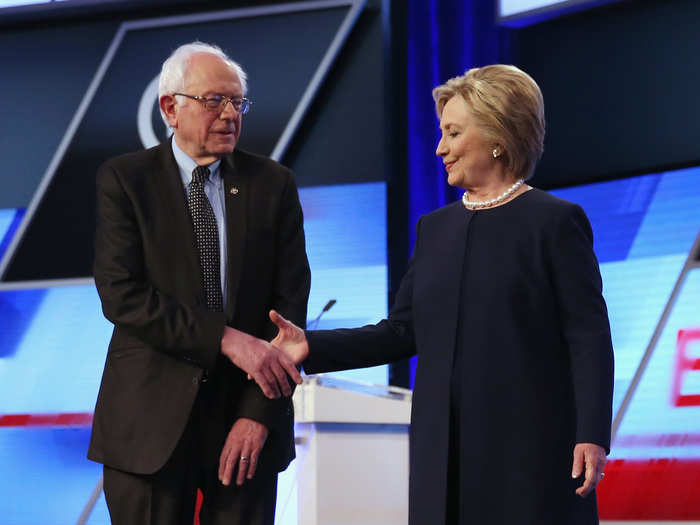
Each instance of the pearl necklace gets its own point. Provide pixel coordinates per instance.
(472, 205)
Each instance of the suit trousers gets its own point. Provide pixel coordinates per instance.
(168, 497)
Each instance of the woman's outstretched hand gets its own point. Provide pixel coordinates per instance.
(290, 338)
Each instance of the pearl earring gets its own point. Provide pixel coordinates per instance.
(496, 153)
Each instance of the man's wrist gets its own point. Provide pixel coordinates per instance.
(228, 338)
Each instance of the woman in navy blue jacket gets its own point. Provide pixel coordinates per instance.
(503, 304)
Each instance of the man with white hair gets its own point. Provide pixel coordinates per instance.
(196, 242)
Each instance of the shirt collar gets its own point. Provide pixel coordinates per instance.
(187, 166)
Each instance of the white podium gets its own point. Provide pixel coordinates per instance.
(352, 452)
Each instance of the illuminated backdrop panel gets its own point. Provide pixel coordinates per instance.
(645, 229)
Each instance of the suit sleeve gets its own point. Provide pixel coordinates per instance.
(585, 325)
(129, 299)
(387, 341)
(289, 297)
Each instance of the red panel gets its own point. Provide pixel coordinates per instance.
(654, 489)
(200, 499)
(68, 419)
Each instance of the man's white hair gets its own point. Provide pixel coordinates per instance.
(174, 70)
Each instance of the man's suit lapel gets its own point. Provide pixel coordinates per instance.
(236, 201)
(175, 205)
(236, 195)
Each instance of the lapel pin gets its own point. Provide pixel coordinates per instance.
(234, 191)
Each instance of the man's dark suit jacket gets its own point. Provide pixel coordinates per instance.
(148, 277)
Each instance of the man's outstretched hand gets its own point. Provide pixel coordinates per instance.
(267, 365)
(290, 338)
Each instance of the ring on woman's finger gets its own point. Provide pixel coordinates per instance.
(245, 458)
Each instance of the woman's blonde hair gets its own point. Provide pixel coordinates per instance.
(507, 105)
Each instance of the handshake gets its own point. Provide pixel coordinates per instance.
(269, 364)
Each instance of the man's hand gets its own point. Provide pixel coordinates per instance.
(264, 363)
(242, 449)
(290, 338)
(593, 456)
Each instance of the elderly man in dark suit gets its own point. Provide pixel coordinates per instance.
(196, 241)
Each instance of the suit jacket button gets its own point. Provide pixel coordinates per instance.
(195, 380)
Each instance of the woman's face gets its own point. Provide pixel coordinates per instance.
(468, 158)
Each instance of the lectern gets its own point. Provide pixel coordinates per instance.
(352, 452)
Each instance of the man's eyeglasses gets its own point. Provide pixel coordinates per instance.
(218, 103)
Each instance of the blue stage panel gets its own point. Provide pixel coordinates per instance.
(655, 219)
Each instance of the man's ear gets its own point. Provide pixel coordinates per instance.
(167, 106)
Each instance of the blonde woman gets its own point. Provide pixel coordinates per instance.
(502, 303)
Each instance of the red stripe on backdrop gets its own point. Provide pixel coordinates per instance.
(653, 489)
(67, 419)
